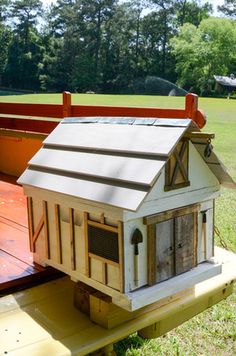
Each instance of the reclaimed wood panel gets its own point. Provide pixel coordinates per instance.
(184, 243)
(165, 250)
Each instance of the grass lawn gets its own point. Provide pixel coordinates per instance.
(214, 331)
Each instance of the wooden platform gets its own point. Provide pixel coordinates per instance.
(43, 321)
(17, 269)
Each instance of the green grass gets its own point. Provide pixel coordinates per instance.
(213, 332)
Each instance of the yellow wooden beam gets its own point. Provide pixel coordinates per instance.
(45, 322)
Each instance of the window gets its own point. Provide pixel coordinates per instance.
(176, 172)
(103, 243)
(104, 251)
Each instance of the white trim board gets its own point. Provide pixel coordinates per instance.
(148, 295)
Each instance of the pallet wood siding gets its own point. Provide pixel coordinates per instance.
(164, 262)
(58, 236)
(185, 237)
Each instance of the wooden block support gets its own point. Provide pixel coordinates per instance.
(82, 294)
(108, 315)
(105, 351)
(104, 313)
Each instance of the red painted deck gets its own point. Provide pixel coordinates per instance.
(17, 268)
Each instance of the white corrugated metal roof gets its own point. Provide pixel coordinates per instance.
(113, 161)
(225, 81)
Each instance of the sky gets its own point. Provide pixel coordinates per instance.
(215, 3)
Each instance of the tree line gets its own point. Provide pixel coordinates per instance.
(112, 46)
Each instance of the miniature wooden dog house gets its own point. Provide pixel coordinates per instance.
(126, 205)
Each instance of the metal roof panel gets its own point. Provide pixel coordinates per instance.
(118, 138)
(128, 169)
(121, 197)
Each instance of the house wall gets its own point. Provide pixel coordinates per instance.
(73, 258)
(206, 234)
(204, 186)
(128, 228)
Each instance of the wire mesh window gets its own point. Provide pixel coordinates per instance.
(103, 243)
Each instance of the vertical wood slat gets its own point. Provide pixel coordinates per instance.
(72, 239)
(102, 219)
(204, 234)
(30, 222)
(87, 262)
(58, 233)
(165, 250)
(213, 229)
(195, 241)
(46, 229)
(121, 255)
(104, 273)
(184, 243)
(151, 253)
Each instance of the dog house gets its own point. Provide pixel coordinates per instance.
(126, 205)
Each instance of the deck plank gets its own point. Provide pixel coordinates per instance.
(17, 269)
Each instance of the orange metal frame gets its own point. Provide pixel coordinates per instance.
(68, 110)
(22, 139)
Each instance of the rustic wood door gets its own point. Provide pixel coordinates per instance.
(174, 247)
(165, 247)
(184, 243)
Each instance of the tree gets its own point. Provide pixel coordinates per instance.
(165, 10)
(25, 15)
(191, 11)
(204, 51)
(25, 50)
(96, 13)
(4, 5)
(5, 36)
(228, 8)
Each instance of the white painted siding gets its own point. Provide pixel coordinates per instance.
(208, 208)
(128, 229)
(203, 186)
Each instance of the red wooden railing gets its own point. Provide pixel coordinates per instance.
(66, 109)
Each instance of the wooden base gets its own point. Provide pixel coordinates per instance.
(105, 351)
(163, 326)
(102, 311)
(45, 321)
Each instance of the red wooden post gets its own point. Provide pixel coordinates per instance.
(66, 104)
(192, 112)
